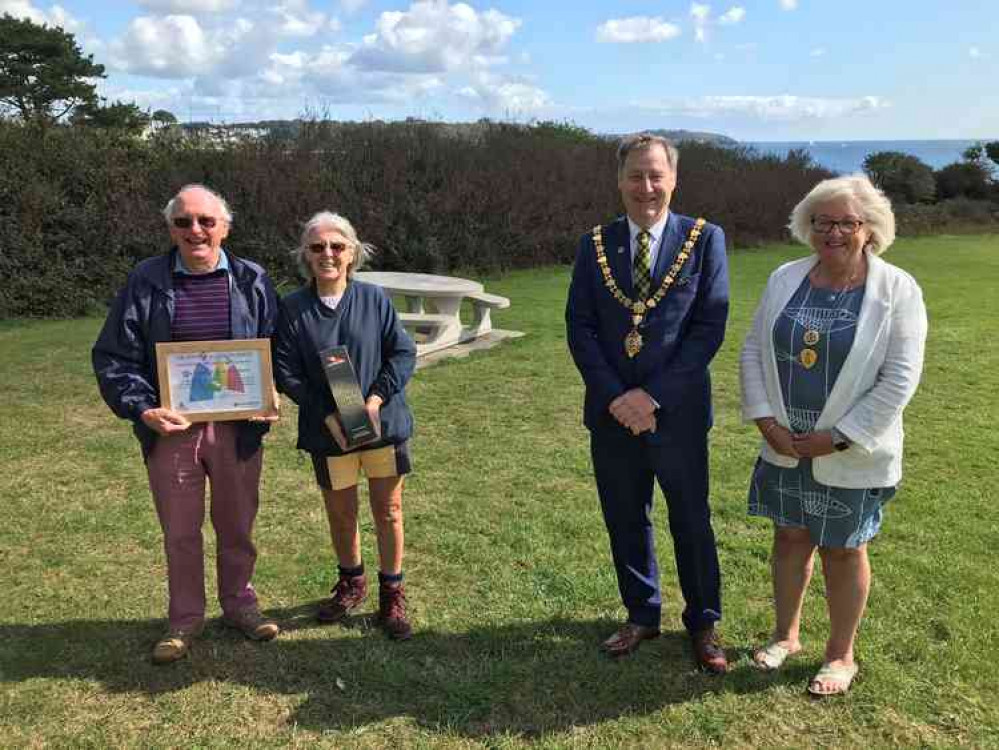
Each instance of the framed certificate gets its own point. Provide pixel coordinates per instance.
(216, 381)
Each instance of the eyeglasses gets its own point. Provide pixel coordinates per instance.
(335, 247)
(186, 222)
(846, 226)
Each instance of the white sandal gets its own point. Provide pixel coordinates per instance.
(841, 677)
(771, 657)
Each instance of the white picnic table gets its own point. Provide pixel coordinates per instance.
(433, 306)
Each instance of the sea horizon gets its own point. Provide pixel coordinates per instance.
(846, 156)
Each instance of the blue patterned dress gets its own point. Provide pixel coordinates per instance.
(834, 516)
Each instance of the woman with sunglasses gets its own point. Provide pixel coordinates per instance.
(331, 310)
(833, 356)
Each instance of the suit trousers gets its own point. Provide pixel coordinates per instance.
(178, 468)
(626, 468)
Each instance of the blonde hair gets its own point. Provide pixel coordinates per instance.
(872, 205)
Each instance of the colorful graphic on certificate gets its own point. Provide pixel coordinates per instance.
(213, 381)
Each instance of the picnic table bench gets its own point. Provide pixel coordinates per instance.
(433, 306)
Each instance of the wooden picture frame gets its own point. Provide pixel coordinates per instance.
(216, 381)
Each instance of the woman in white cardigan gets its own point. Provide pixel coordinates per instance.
(833, 356)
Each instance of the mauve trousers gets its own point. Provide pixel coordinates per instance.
(178, 467)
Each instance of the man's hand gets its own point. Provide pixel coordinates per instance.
(333, 425)
(373, 407)
(164, 421)
(635, 410)
(272, 416)
(814, 444)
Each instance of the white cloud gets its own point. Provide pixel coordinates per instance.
(505, 96)
(636, 29)
(352, 6)
(975, 53)
(701, 14)
(56, 15)
(733, 15)
(188, 7)
(434, 36)
(818, 52)
(171, 47)
(788, 4)
(296, 18)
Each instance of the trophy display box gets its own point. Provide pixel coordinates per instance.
(353, 417)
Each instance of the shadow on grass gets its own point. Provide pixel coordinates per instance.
(522, 678)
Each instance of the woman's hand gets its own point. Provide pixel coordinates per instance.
(778, 437)
(164, 421)
(333, 425)
(373, 406)
(814, 444)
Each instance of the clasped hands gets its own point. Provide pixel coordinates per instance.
(787, 443)
(635, 410)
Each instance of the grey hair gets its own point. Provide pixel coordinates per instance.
(329, 220)
(871, 203)
(639, 141)
(168, 209)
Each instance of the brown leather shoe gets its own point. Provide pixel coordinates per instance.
(708, 651)
(348, 594)
(175, 645)
(392, 611)
(627, 639)
(252, 624)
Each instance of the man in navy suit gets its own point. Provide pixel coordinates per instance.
(646, 314)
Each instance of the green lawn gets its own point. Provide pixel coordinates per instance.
(508, 567)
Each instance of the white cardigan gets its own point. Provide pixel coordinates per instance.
(877, 379)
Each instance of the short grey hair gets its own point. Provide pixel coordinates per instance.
(639, 141)
(329, 220)
(871, 204)
(170, 207)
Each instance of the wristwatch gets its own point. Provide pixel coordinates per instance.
(840, 441)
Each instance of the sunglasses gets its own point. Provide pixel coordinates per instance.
(335, 247)
(186, 222)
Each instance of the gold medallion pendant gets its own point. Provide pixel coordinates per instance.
(633, 343)
(808, 358)
(811, 337)
(638, 308)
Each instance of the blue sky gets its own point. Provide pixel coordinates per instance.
(754, 70)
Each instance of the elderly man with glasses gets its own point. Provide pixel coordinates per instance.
(195, 292)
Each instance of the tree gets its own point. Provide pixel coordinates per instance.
(164, 117)
(903, 177)
(117, 116)
(992, 151)
(43, 72)
(967, 179)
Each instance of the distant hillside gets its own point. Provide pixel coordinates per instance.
(698, 136)
(291, 129)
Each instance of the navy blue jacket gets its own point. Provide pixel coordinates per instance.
(124, 356)
(681, 335)
(382, 353)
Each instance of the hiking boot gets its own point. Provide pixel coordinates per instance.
(348, 594)
(392, 611)
(175, 645)
(252, 624)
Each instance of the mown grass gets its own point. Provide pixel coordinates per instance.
(508, 568)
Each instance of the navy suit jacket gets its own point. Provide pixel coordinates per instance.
(681, 334)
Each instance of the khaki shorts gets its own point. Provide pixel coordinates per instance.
(341, 472)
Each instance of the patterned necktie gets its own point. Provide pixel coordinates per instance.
(642, 271)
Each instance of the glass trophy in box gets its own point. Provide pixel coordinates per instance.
(353, 417)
